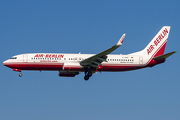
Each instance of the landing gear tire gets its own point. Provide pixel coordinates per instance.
(86, 77)
(20, 74)
(88, 74)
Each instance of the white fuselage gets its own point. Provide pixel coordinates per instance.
(57, 61)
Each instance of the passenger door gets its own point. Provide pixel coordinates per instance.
(25, 58)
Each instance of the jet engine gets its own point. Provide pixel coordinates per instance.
(67, 74)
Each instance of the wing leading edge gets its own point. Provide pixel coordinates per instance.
(97, 59)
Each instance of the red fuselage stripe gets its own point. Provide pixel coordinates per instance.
(59, 66)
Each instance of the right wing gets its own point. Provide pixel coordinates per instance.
(97, 59)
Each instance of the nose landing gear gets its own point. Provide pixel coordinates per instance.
(20, 74)
(18, 70)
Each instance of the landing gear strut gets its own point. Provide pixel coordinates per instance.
(88, 74)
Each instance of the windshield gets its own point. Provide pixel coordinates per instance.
(13, 58)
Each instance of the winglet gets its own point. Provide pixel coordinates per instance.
(121, 40)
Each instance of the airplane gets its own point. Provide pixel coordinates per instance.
(70, 65)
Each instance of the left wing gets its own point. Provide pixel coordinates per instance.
(97, 59)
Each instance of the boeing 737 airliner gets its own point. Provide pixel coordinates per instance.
(70, 65)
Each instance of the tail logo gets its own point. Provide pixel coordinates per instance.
(157, 41)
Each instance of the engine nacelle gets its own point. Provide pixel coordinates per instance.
(68, 74)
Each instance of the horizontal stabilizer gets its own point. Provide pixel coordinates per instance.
(163, 57)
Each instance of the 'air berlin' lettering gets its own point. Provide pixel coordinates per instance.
(157, 41)
(49, 55)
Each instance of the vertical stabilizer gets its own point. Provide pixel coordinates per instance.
(157, 45)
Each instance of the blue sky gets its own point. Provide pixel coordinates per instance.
(88, 27)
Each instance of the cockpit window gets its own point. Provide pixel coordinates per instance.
(13, 58)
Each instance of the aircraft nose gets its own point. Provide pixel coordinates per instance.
(5, 62)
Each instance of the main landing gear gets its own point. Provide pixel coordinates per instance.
(88, 74)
